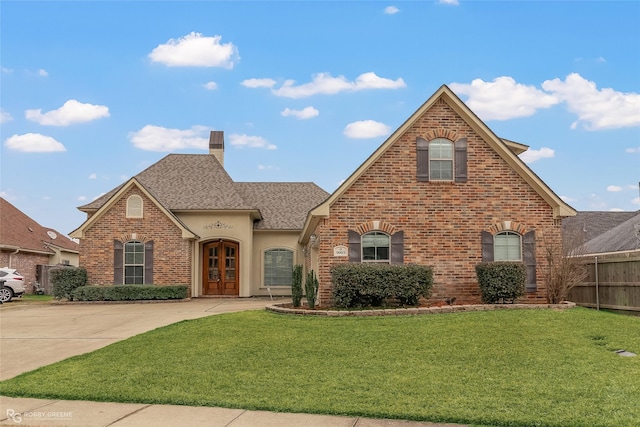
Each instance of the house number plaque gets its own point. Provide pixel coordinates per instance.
(340, 250)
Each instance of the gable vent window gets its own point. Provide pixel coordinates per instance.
(134, 206)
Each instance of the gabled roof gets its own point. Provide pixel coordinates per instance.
(186, 182)
(115, 196)
(505, 148)
(198, 182)
(18, 231)
(606, 232)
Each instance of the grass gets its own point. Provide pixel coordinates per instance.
(499, 368)
(35, 298)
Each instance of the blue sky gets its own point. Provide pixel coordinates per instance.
(91, 93)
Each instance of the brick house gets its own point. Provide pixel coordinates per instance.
(442, 190)
(184, 221)
(25, 244)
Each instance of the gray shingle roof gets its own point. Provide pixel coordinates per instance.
(199, 182)
(606, 231)
(284, 205)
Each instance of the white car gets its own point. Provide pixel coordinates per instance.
(11, 284)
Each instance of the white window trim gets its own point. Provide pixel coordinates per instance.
(507, 232)
(264, 267)
(452, 160)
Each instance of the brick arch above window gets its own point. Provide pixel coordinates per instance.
(517, 227)
(134, 236)
(368, 226)
(449, 134)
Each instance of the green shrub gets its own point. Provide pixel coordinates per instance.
(129, 293)
(369, 285)
(311, 288)
(296, 285)
(501, 281)
(65, 279)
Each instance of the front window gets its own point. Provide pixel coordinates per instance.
(278, 266)
(375, 247)
(133, 263)
(507, 247)
(441, 160)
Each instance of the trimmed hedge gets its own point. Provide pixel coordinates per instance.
(129, 293)
(369, 285)
(66, 279)
(501, 281)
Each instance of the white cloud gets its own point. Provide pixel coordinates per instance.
(158, 138)
(324, 83)
(503, 98)
(614, 188)
(93, 176)
(305, 113)
(196, 50)
(391, 10)
(632, 150)
(633, 186)
(42, 73)
(568, 199)
(366, 129)
(71, 112)
(6, 70)
(636, 201)
(5, 117)
(254, 83)
(250, 142)
(267, 167)
(531, 156)
(33, 143)
(210, 85)
(450, 2)
(82, 198)
(596, 109)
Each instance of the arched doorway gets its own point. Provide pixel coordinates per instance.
(221, 268)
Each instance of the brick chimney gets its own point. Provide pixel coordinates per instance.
(216, 145)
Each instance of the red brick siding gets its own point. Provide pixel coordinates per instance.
(171, 253)
(25, 263)
(442, 221)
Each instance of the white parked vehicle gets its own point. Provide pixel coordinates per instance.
(11, 284)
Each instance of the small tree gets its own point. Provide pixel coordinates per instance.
(296, 285)
(565, 265)
(311, 288)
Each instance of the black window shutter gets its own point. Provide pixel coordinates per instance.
(118, 263)
(529, 258)
(148, 263)
(487, 247)
(354, 246)
(397, 247)
(422, 156)
(460, 160)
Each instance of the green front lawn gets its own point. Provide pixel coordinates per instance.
(506, 367)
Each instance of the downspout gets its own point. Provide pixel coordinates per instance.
(11, 254)
(597, 291)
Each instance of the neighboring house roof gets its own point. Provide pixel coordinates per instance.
(18, 231)
(606, 232)
(198, 182)
(508, 150)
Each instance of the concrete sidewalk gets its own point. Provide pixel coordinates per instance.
(35, 335)
(71, 413)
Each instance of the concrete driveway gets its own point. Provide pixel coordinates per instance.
(34, 335)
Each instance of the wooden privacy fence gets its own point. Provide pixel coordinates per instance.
(616, 277)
